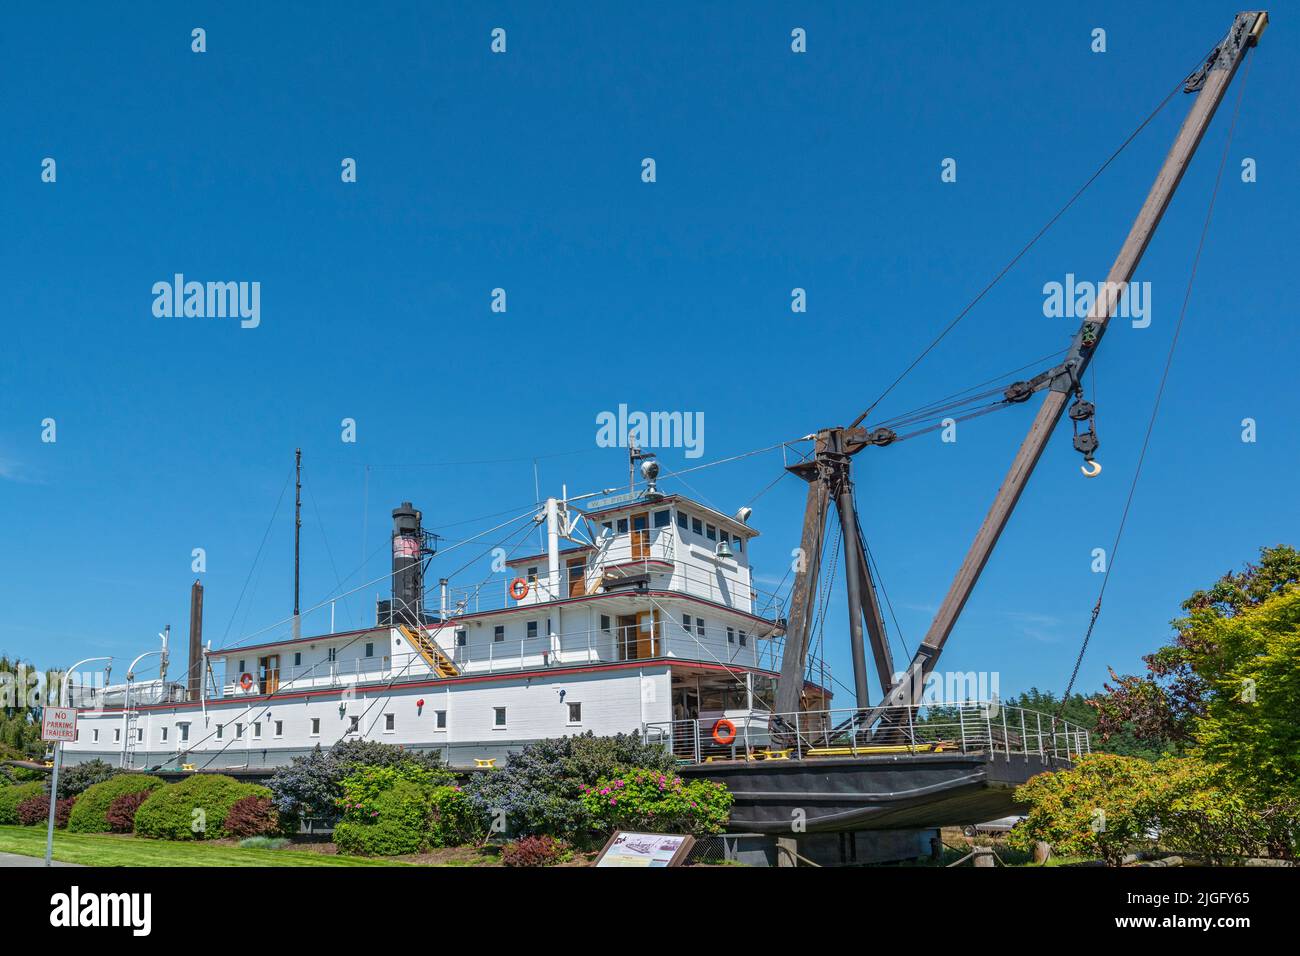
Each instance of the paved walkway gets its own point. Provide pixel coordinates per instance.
(13, 859)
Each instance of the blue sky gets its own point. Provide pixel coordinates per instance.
(522, 171)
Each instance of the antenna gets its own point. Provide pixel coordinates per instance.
(297, 524)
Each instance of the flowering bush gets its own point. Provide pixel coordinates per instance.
(536, 851)
(454, 820)
(395, 822)
(643, 799)
(537, 787)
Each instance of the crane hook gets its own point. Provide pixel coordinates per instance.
(1093, 465)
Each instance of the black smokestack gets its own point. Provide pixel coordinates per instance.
(408, 575)
(196, 642)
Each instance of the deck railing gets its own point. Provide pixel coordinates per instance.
(986, 727)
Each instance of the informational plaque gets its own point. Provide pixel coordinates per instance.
(59, 723)
(645, 849)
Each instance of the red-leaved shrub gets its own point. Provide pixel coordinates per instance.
(36, 810)
(121, 812)
(252, 816)
(535, 851)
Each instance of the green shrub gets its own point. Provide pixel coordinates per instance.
(362, 787)
(396, 822)
(194, 809)
(15, 794)
(1104, 806)
(311, 786)
(538, 786)
(77, 779)
(644, 799)
(454, 820)
(90, 815)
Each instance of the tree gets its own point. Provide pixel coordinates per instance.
(1103, 806)
(1181, 677)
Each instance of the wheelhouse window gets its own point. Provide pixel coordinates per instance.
(711, 532)
(697, 526)
(332, 654)
(683, 520)
(622, 526)
(663, 518)
(532, 577)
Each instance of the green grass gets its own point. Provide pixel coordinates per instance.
(105, 849)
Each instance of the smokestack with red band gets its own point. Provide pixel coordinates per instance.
(408, 583)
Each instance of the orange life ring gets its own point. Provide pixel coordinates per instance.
(519, 589)
(724, 732)
(246, 681)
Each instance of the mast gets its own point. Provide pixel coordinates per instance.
(297, 526)
(1212, 81)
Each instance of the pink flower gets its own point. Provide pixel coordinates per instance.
(613, 800)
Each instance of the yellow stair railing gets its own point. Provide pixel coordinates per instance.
(442, 664)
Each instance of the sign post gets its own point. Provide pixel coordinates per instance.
(58, 724)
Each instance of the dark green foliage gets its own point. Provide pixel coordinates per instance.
(537, 789)
(15, 794)
(77, 779)
(91, 813)
(397, 823)
(312, 786)
(121, 812)
(194, 809)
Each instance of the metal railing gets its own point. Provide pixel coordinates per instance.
(481, 654)
(985, 727)
(657, 557)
